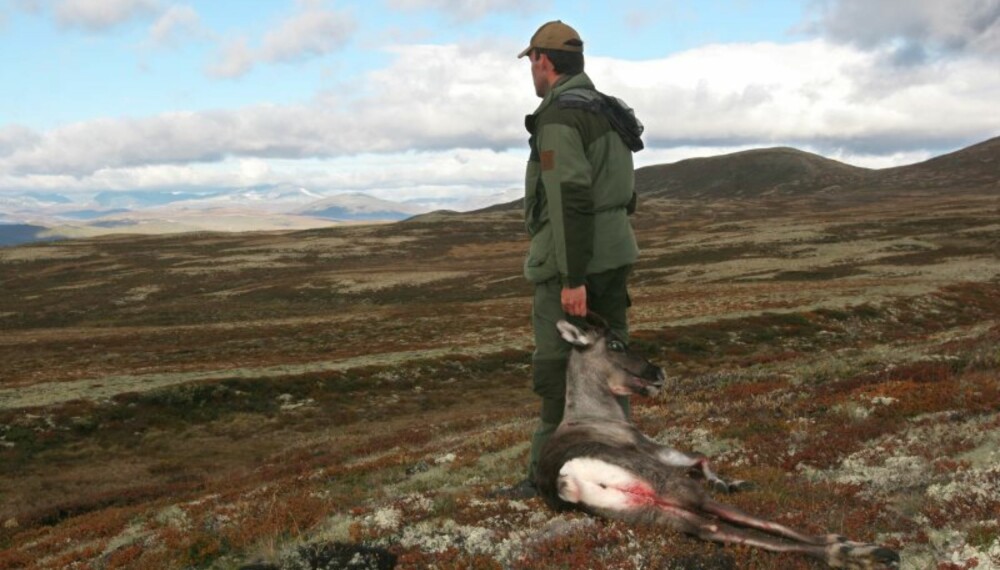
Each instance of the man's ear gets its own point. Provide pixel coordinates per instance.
(543, 60)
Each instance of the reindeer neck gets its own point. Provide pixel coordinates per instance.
(587, 393)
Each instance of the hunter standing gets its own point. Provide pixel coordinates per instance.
(579, 193)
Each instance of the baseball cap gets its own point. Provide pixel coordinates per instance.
(555, 35)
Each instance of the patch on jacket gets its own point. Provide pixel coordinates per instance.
(548, 160)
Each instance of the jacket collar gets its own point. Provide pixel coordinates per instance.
(565, 83)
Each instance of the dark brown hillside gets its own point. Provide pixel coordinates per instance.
(787, 171)
(977, 166)
(748, 174)
(784, 171)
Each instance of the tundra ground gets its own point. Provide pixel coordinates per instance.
(211, 400)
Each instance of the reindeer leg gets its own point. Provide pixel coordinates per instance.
(736, 516)
(717, 533)
(631, 500)
(850, 555)
(835, 550)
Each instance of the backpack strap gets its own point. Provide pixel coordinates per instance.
(618, 113)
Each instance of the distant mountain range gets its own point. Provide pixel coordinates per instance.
(771, 172)
(28, 216)
(15, 234)
(357, 206)
(273, 199)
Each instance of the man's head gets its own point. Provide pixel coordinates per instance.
(555, 50)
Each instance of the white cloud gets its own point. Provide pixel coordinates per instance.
(832, 99)
(468, 10)
(30, 6)
(827, 95)
(174, 25)
(913, 31)
(313, 31)
(100, 15)
(425, 100)
(457, 179)
(235, 59)
(14, 138)
(253, 171)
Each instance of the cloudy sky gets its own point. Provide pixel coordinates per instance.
(408, 99)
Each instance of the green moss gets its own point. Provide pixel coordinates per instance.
(983, 535)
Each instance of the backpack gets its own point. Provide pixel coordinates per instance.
(618, 113)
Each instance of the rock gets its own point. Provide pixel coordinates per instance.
(446, 458)
(420, 467)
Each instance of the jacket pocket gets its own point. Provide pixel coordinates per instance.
(531, 178)
(540, 265)
(541, 247)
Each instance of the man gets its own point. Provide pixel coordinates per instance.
(578, 195)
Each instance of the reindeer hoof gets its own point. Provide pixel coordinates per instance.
(886, 557)
(858, 556)
(737, 486)
(740, 485)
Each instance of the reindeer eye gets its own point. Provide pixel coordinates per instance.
(616, 346)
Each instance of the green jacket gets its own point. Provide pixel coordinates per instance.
(579, 183)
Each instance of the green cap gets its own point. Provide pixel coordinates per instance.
(555, 35)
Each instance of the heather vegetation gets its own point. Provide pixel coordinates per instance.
(294, 399)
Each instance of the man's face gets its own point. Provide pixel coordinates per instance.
(539, 74)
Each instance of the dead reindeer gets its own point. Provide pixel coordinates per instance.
(599, 462)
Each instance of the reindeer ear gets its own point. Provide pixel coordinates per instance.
(573, 335)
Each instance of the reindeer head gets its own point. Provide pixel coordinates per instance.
(608, 357)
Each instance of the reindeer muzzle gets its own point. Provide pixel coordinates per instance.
(649, 380)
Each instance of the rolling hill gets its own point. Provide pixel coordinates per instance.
(787, 171)
(749, 174)
(977, 166)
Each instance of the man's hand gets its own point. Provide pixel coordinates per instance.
(574, 301)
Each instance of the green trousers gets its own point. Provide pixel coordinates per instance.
(607, 295)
